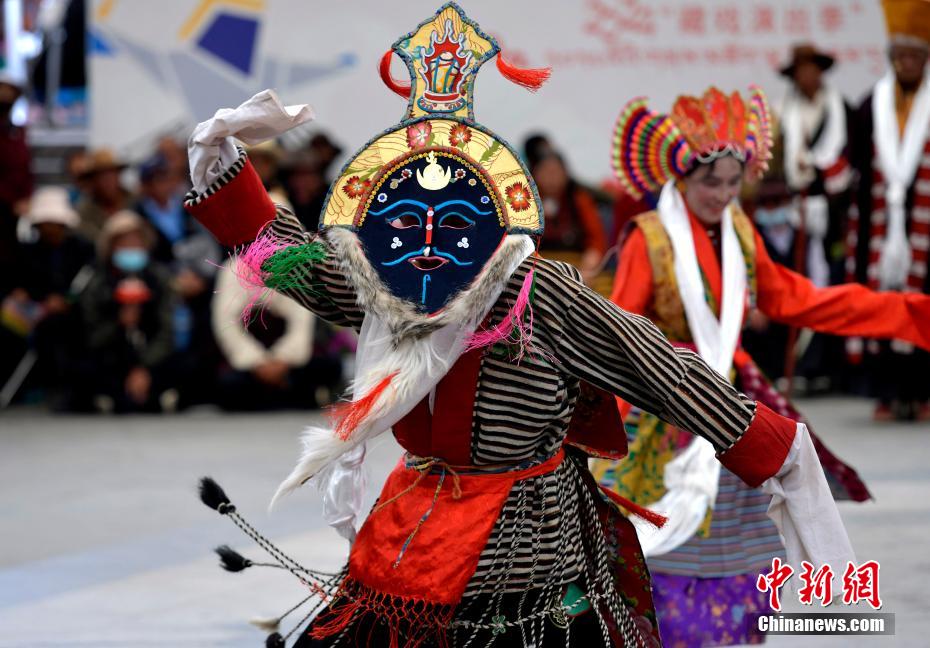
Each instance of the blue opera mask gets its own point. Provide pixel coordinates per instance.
(432, 222)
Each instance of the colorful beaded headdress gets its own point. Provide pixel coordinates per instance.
(649, 148)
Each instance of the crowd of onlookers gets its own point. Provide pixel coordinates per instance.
(116, 300)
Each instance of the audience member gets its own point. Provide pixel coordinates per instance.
(268, 350)
(128, 312)
(191, 255)
(105, 193)
(53, 271)
(573, 223)
(306, 186)
(814, 134)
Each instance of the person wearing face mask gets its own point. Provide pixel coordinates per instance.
(695, 267)
(127, 311)
(888, 236)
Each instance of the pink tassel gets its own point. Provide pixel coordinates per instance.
(514, 329)
(249, 270)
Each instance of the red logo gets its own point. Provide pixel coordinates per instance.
(773, 581)
(861, 584)
(817, 585)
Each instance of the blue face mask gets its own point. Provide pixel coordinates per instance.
(431, 225)
(769, 217)
(130, 259)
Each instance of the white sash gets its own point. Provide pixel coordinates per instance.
(691, 478)
(829, 146)
(898, 159)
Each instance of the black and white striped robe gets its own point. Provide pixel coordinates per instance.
(548, 533)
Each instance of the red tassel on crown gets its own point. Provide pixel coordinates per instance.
(402, 89)
(530, 78)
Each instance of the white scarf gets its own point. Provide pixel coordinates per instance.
(898, 159)
(829, 146)
(418, 363)
(691, 479)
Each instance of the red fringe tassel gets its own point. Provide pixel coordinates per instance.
(655, 519)
(352, 413)
(412, 621)
(403, 89)
(530, 78)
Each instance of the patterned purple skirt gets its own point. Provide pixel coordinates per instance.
(697, 612)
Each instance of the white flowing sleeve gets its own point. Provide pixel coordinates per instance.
(804, 511)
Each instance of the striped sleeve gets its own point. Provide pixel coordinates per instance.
(237, 210)
(627, 355)
(323, 287)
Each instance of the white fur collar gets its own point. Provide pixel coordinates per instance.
(400, 316)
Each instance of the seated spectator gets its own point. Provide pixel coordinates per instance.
(191, 255)
(326, 152)
(536, 147)
(174, 153)
(128, 310)
(53, 270)
(266, 159)
(76, 165)
(269, 361)
(105, 194)
(573, 223)
(306, 187)
(15, 188)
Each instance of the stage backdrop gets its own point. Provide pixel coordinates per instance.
(159, 67)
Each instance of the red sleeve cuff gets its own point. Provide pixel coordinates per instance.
(234, 208)
(761, 451)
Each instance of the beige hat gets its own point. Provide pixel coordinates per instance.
(103, 159)
(51, 205)
(269, 149)
(123, 222)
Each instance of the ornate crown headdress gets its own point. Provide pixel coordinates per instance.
(443, 55)
(650, 148)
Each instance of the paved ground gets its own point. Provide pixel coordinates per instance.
(103, 541)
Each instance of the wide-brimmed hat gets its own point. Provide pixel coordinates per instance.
(100, 160)
(51, 205)
(806, 53)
